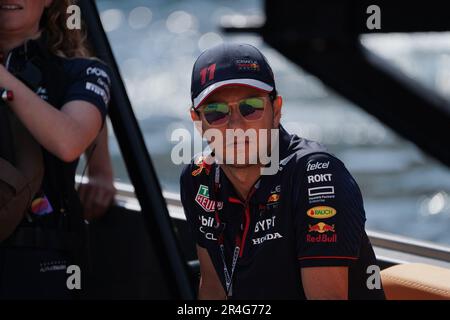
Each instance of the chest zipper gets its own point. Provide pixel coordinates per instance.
(239, 240)
(247, 218)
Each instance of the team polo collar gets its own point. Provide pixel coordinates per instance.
(32, 46)
(27, 51)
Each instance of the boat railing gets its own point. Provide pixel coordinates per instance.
(390, 248)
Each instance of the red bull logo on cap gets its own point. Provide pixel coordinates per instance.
(247, 65)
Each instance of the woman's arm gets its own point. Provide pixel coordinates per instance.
(66, 133)
(97, 195)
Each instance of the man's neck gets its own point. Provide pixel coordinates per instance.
(242, 178)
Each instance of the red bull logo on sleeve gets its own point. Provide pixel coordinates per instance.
(322, 237)
(321, 228)
(202, 198)
(321, 212)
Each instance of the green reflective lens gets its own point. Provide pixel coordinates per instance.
(252, 108)
(216, 113)
(216, 107)
(257, 103)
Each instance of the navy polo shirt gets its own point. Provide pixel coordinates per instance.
(58, 81)
(309, 214)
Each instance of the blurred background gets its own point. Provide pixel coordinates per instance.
(156, 43)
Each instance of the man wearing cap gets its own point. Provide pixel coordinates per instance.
(297, 233)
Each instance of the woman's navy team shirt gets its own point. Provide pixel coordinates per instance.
(59, 81)
(309, 214)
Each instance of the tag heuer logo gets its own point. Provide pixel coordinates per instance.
(202, 198)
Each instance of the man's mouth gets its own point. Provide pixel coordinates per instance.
(237, 144)
(10, 7)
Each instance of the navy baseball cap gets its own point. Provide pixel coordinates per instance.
(230, 64)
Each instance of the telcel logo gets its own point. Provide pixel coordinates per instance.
(317, 165)
(321, 212)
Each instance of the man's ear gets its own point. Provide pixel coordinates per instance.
(197, 121)
(194, 115)
(277, 105)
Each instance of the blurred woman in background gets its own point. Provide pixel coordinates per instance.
(61, 96)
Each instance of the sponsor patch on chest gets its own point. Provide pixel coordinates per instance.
(202, 199)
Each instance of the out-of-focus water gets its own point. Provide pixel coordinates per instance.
(156, 43)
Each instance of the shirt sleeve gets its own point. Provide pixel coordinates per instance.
(187, 199)
(329, 215)
(90, 81)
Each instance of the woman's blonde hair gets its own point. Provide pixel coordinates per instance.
(63, 41)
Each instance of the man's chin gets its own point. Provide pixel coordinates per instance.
(240, 163)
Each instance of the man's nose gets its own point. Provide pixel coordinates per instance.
(236, 120)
